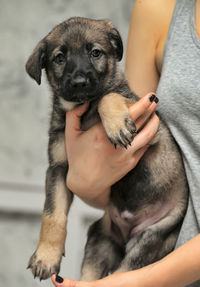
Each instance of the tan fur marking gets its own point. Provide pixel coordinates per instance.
(113, 110)
(58, 150)
(52, 240)
(62, 202)
(89, 273)
(66, 105)
(53, 229)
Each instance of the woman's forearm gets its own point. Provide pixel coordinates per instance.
(179, 268)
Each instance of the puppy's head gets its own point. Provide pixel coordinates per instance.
(79, 57)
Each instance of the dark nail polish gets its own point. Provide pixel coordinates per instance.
(59, 279)
(157, 113)
(152, 98)
(156, 100)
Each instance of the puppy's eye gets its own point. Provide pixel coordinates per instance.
(96, 53)
(59, 58)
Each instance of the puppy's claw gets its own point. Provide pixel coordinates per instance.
(122, 132)
(121, 143)
(129, 123)
(133, 132)
(125, 138)
(44, 269)
(29, 266)
(112, 142)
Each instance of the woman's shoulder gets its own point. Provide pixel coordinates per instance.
(161, 9)
(153, 18)
(153, 15)
(148, 31)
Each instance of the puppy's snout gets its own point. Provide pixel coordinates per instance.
(79, 81)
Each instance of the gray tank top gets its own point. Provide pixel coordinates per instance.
(179, 94)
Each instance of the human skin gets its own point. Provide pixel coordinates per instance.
(172, 271)
(147, 36)
(92, 156)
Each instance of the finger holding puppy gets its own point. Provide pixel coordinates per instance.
(142, 110)
(148, 132)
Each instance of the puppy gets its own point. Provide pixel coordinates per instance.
(147, 206)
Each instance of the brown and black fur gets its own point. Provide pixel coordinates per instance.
(147, 206)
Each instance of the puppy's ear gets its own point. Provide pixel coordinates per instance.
(36, 62)
(115, 40)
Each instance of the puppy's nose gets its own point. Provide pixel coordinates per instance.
(79, 81)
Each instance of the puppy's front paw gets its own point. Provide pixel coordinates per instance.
(45, 262)
(120, 130)
(114, 114)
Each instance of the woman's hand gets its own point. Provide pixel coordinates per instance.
(94, 163)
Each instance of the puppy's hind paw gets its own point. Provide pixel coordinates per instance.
(42, 266)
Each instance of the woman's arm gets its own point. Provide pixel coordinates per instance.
(178, 269)
(181, 267)
(141, 48)
(148, 31)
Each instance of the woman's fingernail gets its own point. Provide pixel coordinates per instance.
(59, 279)
(152, 98)
(157, 113)
(156, 100)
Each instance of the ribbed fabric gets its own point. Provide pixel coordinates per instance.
(179, 94)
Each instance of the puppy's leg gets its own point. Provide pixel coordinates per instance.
(46, 259)
(102, 255)
(114, 114)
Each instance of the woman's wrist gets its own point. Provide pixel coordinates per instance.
(89, 193)
(100, 200)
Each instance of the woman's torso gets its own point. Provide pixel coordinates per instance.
(178, 62)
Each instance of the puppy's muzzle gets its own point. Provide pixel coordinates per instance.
(80, 86)
(79, 82)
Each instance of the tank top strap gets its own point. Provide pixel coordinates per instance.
(182, 24)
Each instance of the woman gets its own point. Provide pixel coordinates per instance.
(163, 55)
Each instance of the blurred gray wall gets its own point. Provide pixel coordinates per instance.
(24, 116)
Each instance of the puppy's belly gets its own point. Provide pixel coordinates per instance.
(125, 224)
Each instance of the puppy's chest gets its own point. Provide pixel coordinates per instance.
(91, 117)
